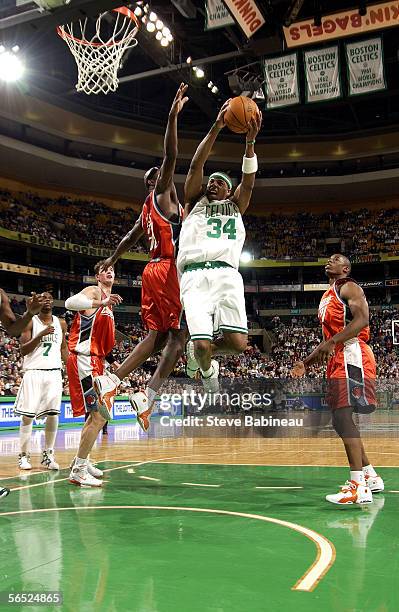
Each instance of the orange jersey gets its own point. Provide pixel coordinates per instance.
(334, 313)
(94, 335)
(162, 234)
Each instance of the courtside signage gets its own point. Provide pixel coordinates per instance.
(247, 15)
(342, 24)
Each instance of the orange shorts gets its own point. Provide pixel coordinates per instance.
(161, 308)
(81, 369)
(351, 374)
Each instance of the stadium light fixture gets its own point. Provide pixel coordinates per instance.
(11, 66)
(150, 26)
(158, 35)
(153, 16)
(164, 42)
(159, 24)
(214, 89)
(138, 11)
(246, 257)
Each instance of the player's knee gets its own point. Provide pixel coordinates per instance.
(26, 420)
(238, 342)
(201, 348)
(97, 419)
(175, 347)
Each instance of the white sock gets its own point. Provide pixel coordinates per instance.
(151, 394)
(358, 477)
(368, 470)
(50, 431)
(25, 434)
(79, 462)
(207, 373)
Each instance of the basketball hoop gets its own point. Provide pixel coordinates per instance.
(98, 48)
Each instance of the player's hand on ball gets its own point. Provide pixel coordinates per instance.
(255, 123)
(180, 99)
(113, 300)
(34, 304)
(47, 331)
(298, 370)
(220, 118)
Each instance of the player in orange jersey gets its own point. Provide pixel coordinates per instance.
(351, 373)
(91, 340)
(160, 221)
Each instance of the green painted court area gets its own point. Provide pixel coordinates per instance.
(104, 553)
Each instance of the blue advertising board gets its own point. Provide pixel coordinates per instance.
(121, 411)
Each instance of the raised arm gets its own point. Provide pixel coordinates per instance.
(195, 177)
(167, 170)
(242, 194)
(89, 299)
(11, 324)
(125, 244)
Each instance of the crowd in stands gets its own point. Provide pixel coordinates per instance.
(294, 338)
(276, 236)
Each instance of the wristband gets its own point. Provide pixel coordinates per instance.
(249, 142)
(249, 164)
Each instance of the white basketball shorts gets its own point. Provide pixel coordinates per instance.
(213, 300)
(40, 393)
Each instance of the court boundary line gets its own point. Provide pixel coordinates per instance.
(326, 553)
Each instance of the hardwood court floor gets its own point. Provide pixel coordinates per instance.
(200, 524)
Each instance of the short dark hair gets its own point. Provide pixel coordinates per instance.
(99, 265)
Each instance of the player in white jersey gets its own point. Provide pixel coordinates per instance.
(9, 321)
(210, 245)
(43, 347)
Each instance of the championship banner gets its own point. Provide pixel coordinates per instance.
(217, 15)
(342, 24)
(247, 15)
(365, 66)
(322, 74)
(281, 76)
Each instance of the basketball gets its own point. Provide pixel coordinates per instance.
(239, 113)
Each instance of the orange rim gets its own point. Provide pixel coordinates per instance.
(123, 10)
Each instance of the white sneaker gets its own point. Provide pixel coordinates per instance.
(351, 493)
(80, 476)
(192, 366)
(211, 382)
(92, 469)
(48, 460)
(24, 461)
(375, 483)
(139, 403)
(106, 387)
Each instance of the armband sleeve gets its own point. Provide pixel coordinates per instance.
(80, 301)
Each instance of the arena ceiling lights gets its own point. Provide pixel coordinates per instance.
(154, 25)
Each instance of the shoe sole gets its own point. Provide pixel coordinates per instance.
(363, 503)
(4, 493)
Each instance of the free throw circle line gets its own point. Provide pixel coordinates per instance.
(325, 549)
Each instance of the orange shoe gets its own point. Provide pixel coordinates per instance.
(106, 387)
(351, 493)
(139, 403)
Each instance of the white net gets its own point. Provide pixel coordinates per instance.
(98, 48)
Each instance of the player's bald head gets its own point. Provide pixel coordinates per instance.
(338, 265)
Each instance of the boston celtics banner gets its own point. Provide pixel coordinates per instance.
(365, 66)
(217, 15)
(281, 76)
(322, 74)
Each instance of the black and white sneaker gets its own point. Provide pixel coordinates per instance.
(4, 492)
(48, 460)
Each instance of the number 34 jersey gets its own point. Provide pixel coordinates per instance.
(213, 231)
(47, 355)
